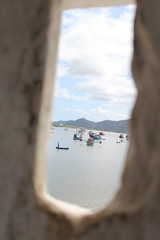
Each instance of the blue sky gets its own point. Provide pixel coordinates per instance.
(93, 78)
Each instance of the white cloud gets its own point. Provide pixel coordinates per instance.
(112, 91)
(61, 70)
(61, 92)
(98, 48)
(93, 40)
(81, 111)
(100, 114)
(64, 93)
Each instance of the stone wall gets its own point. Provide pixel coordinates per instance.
(27, 66)
(68, 4)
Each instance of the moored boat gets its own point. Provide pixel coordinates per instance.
(102, 133)
(81, 131)
(91, 134)
(127, 137)
(97, 137)
(64, 148)
(121, 136)
(90, 142)
(77, 136)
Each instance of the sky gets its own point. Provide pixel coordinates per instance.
(93, 78)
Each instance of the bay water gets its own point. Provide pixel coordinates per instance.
(88, 176)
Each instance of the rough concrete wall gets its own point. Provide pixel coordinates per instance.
(23, 40)
(68, 4)
(135, 212)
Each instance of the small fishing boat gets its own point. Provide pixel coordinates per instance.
(97, 137)
(64, 148)
(81, 131)
(91, 134)
(127, 137)
(90, 142)
(101, 133)
(77, 136)
(121, 136)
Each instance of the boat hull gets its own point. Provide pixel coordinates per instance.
(77, 138)
(62, 148)
(101, 133)
(90, 144)
(121, 136)
(96, 137)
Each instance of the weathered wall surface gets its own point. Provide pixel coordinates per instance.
(23, 45)
(68, 4)
(135, 212)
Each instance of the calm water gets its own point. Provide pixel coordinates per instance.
(85, 175)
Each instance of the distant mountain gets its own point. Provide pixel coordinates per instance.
(107, 125)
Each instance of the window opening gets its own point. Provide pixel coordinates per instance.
(94, 92)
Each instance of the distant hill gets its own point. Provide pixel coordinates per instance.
(107, 125)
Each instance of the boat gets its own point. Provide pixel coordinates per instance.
(90, 142)
(121, 136)
(127, 137)
(91, 134)
(97, 137)
(64, 148)
(102, 133)
(77, 136)
(81, 131)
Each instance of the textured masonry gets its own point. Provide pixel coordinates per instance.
(27, 67)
